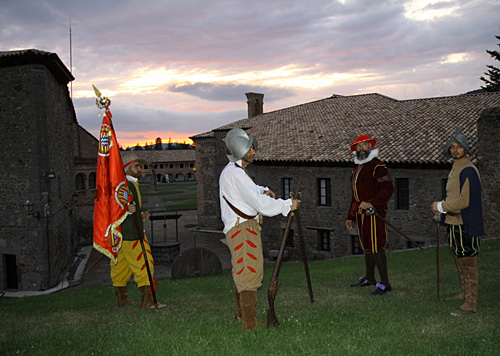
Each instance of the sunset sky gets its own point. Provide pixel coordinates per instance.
(173, 69)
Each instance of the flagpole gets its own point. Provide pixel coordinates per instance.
(103, 103)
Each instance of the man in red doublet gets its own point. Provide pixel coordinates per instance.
(371, 187)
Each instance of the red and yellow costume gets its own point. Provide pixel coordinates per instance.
(371, 182)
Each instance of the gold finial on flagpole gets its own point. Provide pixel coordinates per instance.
(101, 101)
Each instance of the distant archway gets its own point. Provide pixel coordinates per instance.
(179, 177)
(80, 181)
(92, 179)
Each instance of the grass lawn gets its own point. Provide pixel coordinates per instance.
(199, 317)
(176, 196)
(168, 188)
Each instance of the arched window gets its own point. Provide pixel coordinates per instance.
(80, 181)
(92, 180)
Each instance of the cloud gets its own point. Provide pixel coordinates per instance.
(133, 117)
(186, 65)
(228, 92)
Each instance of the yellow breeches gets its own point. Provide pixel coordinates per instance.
(131, 260)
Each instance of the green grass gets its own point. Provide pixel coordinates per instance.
(179, 197)
(168, 189)
(199, 317)
(189, 205)
(184, 192)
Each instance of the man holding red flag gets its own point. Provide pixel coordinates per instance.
(130, 257)
(112, 210)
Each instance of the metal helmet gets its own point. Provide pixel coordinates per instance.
(236, 132)
(255, 144)
(239, 147)
(458, 137)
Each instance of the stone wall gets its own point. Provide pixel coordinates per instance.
(36, 126)
(207, 184)
(85, 165)
(489, 169)
(424, 184)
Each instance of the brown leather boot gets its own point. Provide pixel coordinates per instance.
(474, 283)
(237, 316)
(470, 270)
(147, 299)
(121, 297)
(248, 300)
(460, 295)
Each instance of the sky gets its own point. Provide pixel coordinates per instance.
(176, 68)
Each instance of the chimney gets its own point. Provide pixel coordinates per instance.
(255, 103)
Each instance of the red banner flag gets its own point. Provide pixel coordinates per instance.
(112, 194)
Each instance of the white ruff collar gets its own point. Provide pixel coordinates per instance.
(132, 179)
(372, 155)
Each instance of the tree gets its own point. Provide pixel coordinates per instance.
(138, 147)
(158, 145)
(492, 84)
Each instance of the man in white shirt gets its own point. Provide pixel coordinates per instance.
(243, 203)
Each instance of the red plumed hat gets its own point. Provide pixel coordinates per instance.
(362, 138)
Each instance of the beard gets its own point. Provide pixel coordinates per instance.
(362, 154)
(457, 155)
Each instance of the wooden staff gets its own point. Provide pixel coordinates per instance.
(372, 211)
(304, 255)
(274, 284)
(93, 265)
(437, 219)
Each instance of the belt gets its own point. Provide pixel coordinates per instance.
(237, 211)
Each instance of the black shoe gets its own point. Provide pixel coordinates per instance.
(381, 289)
(363, 282)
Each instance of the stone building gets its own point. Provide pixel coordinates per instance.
(167, 165)
(310, 143)
(37, 186)
(86, 148)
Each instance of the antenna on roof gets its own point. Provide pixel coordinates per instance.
(70, 59)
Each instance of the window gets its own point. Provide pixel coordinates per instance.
(403, 193)
(92, 180)
(286, 184)
(80, 181)
(176, 165)
(145, 166)
(161, 166)
(10, 266)
(323, 240)
(324, 192)
(356, 247)
(171, 165)
(191, 165)
(182, 165)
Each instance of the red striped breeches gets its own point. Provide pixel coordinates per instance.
(245, 244)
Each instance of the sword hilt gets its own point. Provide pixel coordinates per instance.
(370, 211)
(436, 218)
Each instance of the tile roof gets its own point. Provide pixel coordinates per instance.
(164, 156)
(407, 131)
